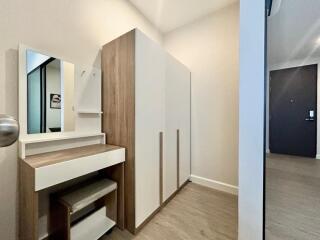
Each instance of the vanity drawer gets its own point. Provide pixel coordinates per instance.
(53, 174)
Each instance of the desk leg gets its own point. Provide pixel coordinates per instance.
(116, 173)
(60, 221)
(111, 205)
(28, 204)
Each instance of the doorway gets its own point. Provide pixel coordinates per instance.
(293, 111)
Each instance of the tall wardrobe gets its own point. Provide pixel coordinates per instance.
(146, 109)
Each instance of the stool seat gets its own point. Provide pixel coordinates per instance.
(82, 197)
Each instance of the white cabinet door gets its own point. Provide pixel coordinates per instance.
(184, 117)
(149, 113)
(170, 176)
(177, 121)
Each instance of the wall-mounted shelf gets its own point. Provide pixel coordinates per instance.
(88, 95)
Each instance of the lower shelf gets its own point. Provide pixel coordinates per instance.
(92, 227)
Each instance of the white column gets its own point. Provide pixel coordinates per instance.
(251, 126)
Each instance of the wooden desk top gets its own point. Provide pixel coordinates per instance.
(45, 159)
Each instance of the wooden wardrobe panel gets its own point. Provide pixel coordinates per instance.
(118, 103)
(116, 173)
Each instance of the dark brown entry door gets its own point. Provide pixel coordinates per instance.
(293, 111)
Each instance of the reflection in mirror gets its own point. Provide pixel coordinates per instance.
(292, 169)
(50, 94)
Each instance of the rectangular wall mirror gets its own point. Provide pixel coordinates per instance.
(50, 94)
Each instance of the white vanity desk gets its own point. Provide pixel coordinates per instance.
(49, 169)
(42, 171)
(60, 141)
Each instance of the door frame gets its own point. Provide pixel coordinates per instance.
(293, 64)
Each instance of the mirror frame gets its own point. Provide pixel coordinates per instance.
(23, 118)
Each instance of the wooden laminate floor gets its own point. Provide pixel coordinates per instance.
(195, 213)
(292, 198)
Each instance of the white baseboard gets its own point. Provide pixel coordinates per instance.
(318, 156)
(220, 186)
(268, 151)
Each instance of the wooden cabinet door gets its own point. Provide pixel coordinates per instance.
(149, 110)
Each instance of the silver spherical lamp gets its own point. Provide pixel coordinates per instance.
(9, 130)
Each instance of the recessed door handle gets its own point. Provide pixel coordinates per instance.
(178, 158)
(161, 168)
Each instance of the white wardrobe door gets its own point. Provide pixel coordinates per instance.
(149, 110)
(184, 125)
(178, 88)
(170, 181)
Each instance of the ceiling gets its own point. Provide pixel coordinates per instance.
(168, 15)
(294, 31)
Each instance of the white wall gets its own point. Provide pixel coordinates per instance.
(251, 119)
(209, 47)
(53, 86)
(72, 29)
(68, 73)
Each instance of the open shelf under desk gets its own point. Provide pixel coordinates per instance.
(97, 222)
